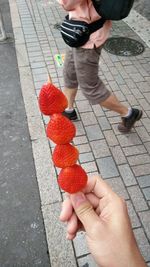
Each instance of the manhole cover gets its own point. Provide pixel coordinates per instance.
(123, 46)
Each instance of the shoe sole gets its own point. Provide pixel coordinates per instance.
(70, 118)
(73, 119)
(137, 119)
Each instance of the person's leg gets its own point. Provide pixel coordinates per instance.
(70, 94)
(70, 83)
(113, 103)
(87, 64)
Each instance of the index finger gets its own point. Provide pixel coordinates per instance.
(98, 186)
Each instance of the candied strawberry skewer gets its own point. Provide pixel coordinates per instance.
(61, 131)
(51, 100)
(65, 155)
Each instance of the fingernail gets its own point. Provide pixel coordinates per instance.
(78, 199)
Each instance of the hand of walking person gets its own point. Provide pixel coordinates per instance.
(104, 217)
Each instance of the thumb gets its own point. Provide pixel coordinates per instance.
(84, 210)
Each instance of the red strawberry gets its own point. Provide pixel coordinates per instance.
(65, 155)
(72, 179)
(60, 129)
(52, 100)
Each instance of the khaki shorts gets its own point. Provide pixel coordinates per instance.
(81, 70)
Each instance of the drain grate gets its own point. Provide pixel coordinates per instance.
(123, 46)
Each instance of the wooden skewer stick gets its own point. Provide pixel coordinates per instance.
(49, 79)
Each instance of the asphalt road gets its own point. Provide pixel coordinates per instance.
(22, 234)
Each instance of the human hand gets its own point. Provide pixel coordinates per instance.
(104, 217)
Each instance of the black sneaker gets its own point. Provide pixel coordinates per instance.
(71, 115)
(128, 122)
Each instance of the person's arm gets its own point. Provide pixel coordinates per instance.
(104, 217)
(70, 5)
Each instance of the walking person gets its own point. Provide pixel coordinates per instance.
(81, 68)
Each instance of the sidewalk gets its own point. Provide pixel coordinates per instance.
(38, 41)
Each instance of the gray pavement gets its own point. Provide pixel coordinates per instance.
(143, 7)
(22, 236)
(38, 41)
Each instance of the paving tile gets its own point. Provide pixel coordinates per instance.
(79, 128)
(146, 192)
(130, 83)
(147, 145)
(147, 96)
(40, 71)
(134, 150)
(104, 123)
(119, 79)
(56, 236)
(114, 86)
(129, 140)
(80, 96)
(108, 76)
(100, 148)
(85, 157)
(38, 65)
(80, 244)
(88, 118)
(144, 181)
(144, 135)
(136, 92)
(144, 104)
(139, 159)
(146, 123)
(80, 140)
(136, 77)
(83, 106)
(98, 110)
(84, 148)
(40, 77)
(127, 175)
(133, 216)
(46, 174)
(131, 69)
(107, 167)
(141, 170)
(143, 86)
(145, 218)
(125, 89)
(110, 113)
(111, 138)
(118, 187)
(87, 261)
(89, 167)
(118, 155)
(132, 100)
(93, 132)
(120, 96)
(137, 198)
(142, 243)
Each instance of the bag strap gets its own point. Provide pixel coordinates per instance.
(94, 26)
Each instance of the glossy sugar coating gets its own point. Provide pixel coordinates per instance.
(60, 129)
(51, 100)
(72, 179)
(65, 155)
